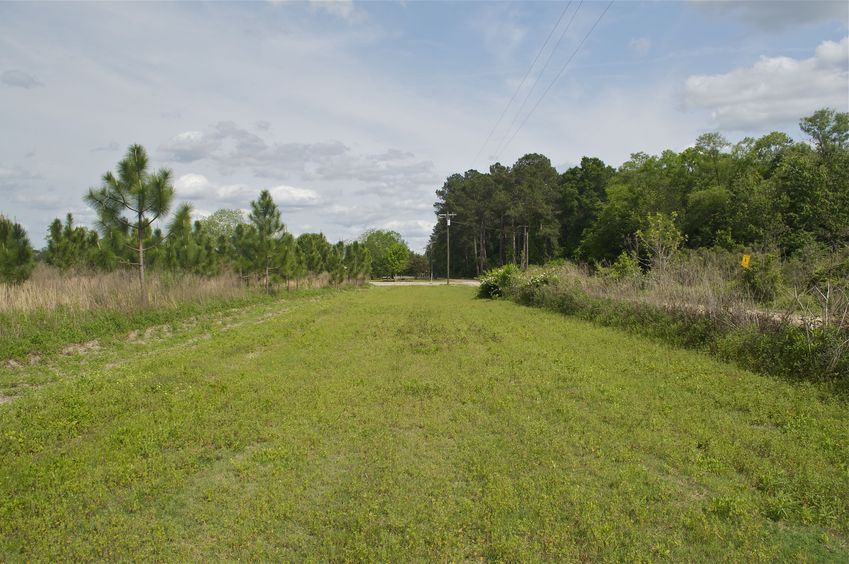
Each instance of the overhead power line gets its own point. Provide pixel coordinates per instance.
(536, 80)
(522, 83)
(559, 74)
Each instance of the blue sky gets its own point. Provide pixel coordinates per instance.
(353, 113)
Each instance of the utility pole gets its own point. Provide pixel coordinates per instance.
(447, 217)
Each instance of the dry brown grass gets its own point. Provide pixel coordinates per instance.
(709, 285)
(49, 289)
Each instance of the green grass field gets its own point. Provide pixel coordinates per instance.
(415, 423)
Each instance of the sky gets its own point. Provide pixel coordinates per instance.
(353, 113)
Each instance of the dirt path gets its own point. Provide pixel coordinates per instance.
(458, 282)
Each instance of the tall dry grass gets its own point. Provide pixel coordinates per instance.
(709, 284)
(50, 289)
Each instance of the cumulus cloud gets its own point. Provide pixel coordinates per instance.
(189, 146)
(339, 8)
(193, 186)
(392, 172)
(640, 46)
(232, 148)
(775, 16)
(19, 79)
(774, 90)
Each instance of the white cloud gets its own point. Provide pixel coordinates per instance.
(339, 8)
(189, 146)
(191, 185)
(501, 33)
(291, 196)
(19, 79)
(777, 15)
(775, 90)
(196, 186)
(640, 46)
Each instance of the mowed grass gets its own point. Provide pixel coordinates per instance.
(419, 423)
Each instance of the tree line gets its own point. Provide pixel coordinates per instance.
(769, 193)
(133, 201)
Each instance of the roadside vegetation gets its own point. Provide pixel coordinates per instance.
(130, 273)
(466, 430)
(771, 195)
(741, 250)
(701, 300)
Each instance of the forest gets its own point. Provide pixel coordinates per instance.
(769, 194)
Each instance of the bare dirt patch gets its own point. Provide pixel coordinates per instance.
(82, 348)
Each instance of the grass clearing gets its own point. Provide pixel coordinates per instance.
(417, 423)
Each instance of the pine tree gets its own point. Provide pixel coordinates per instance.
(133, 200)
(265, 217)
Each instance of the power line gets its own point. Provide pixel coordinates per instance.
(538, 77)
(522, 83)
(557, 77)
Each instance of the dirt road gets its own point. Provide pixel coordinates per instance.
(458, 281)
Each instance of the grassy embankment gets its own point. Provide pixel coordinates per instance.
(418, 423)
(54, 310)
(699, 306)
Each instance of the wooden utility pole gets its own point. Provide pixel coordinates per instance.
(527, 247)
(447, 217)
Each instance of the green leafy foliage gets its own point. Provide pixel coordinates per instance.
(625, 267)
(763, 279)
(767, 193)
(496, 283)
(388, 251)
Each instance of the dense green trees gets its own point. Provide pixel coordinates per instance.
(16, 254)
(388, 251)
(72, 246)
(132, 201)
(769, 193)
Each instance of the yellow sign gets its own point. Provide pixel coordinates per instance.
(745, 262)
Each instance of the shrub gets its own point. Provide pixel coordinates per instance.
(528, 287)
(762, 280)
(626, 267)
(496, 283)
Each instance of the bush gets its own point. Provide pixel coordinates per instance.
(762, 280)
(529, 287)
(626, 267)
(496, 283)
